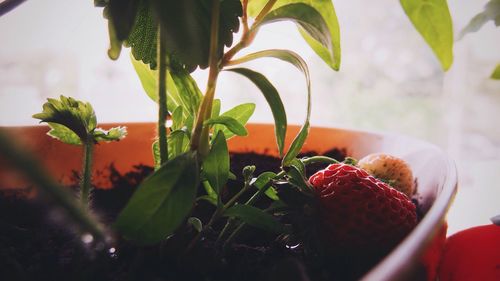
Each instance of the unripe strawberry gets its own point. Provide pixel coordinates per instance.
(390, 169)
(359, 213)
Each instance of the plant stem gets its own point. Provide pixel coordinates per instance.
(162, 95)
(248, 34)
(36, 173)
(244, 17)
(200, 136)
(86, 183)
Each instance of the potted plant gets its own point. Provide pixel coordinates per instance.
(196, 217)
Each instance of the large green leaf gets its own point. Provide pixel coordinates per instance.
(433, 21)
(329, 52)
(216, 164)
(299, 63)
(255, 217)
(240, 113)
(491, 12)
(182, 90)
(496, 73)
(162, 201)
(274, 101)
(186, 24)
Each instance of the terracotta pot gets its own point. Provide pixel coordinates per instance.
(435, 173)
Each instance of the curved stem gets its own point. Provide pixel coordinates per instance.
(162, 95)
(200, 136)
(248, 34)
(86, 183)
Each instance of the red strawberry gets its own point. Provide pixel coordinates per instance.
(359, 213)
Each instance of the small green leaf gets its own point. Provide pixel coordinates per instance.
(330, 53)
(496, 73)
(274, 101)
(75, 115)
(214, 197)
(195, 223)
(64, 134)
(300, 64)
(122, 13)
(216, 164)
(113, 134)
(433, 21)
(162, 201)
(263, 180)
(188, 90)
(297, 174)
(491, 12)
(240, 113)
(255, 217)
(230, 123)
(297, 144)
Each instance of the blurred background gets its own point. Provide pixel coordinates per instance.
(389, 81)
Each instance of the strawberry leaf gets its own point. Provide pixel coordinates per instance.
(216, 164)
(496, 220)
(433, 21)
(77, 116)
(64, 134)
(113, 134)
(186, 24)
(329, 52)
(162, 201)
(274, 101)
(255, 217)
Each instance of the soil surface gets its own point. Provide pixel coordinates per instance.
(37, 243)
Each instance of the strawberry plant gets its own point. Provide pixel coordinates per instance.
(168, 40)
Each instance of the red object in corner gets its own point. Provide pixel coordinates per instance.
(432, 256)
(472, 254)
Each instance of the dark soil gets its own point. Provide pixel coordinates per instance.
(37, 244)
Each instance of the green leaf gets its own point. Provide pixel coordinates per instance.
(263, 180)
(113, 134)
(329, 52)
(155, 148)
(215, 108)
(297, 174)
(240, 113)
(230, 123)
(255, 217)
(177, 118)
(122, 14)
(162, 202)
(433, 21)
(182, 90)
(491, 12)
(75, 115)
(142, 40)
(188, 90)
(300, 64)
(195, 223)
(178, 143)
(64, 134)
(216, 164)
(274, 101)
(496, 73)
